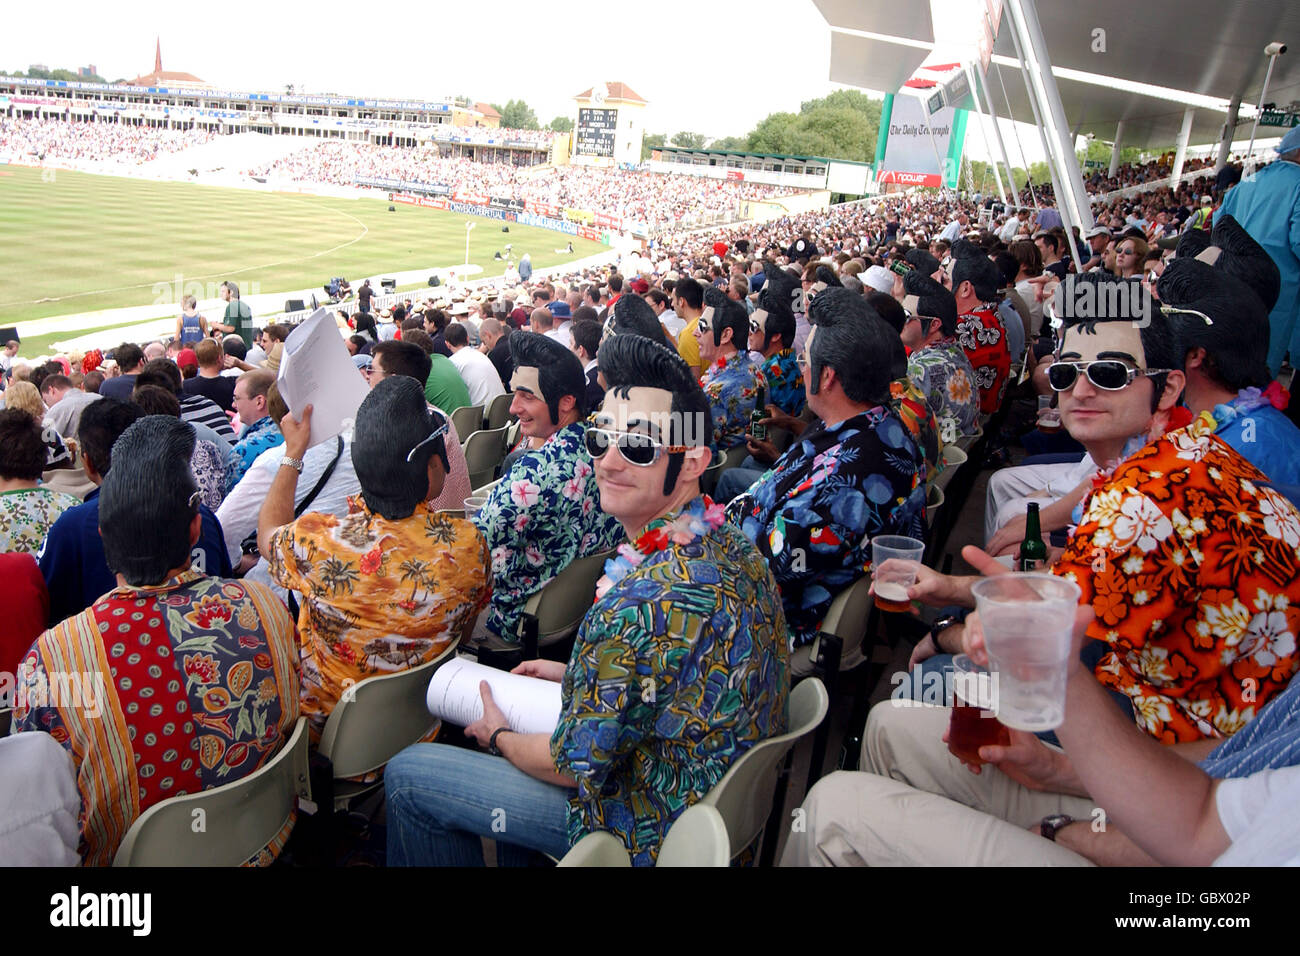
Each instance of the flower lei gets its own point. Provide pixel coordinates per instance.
(1249, 399)
(696, 520)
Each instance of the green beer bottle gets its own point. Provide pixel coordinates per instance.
(757, 430)
(1033, 552)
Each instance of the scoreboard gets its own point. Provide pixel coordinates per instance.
(595, 135)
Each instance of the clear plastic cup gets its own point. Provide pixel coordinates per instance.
(891, 581)
(1027, 621)
(474, 504)
(974, 723)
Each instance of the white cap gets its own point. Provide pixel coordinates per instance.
(878, 278)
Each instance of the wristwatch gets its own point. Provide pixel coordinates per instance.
(1053, 824)
(294, 463)
(941, 625)
(493, 749)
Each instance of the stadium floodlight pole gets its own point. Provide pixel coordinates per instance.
(988, 144)
(469, 227)
(1031, 48)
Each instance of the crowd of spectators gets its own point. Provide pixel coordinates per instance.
(870, 336)
(51, 139)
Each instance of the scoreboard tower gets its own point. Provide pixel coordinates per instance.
(608, 128)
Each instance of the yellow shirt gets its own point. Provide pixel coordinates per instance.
(687, 347)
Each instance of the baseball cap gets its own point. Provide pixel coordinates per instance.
(878, 278)
(361, 361)
(186, 357)
(1096, 231)
(640, 286)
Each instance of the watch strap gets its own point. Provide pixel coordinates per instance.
(295, 463)
(1051, 825)
(493, 749)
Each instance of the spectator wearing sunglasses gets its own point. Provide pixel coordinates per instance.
(545, 512)
(645, 729)
(390, 584)
(730, 380)
(856, 474)
(938, 366)
(1191, 565)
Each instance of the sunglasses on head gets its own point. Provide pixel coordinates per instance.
(636, 448)
(440, 430)
(1110, 375)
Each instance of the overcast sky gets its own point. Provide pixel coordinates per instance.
(697, 63)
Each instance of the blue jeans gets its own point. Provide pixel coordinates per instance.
(442, 799)
(733, 481)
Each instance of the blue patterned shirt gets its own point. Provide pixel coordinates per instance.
(678, 670)
(541, 517)
(732, 388)
(813, 515)
(784, 382)
(1262, 435)
(253, 440)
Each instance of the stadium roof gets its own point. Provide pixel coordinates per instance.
(1201, 55)
(705, 150)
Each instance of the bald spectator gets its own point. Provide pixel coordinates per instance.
(496, 345)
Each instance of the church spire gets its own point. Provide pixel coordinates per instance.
(157, 56)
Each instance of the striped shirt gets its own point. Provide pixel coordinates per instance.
(1269, 742)
(196, 408)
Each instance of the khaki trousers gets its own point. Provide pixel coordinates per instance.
(914, 804)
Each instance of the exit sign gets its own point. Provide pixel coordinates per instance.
(1278, 118)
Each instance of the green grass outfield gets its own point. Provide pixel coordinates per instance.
(75, 242)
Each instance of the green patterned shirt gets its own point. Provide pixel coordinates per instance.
(678, 670)
(26, 516)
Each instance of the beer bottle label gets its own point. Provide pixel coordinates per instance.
(1031, 564)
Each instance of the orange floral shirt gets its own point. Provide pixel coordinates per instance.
(378, 596)
(1193, 571)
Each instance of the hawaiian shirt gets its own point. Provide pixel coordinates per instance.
(983, 338)
(909, 404)
(378, 596)
(538, 520)
(211, 467)
(164, 691)
(676, 671)
(785, 382)
(26, 516)
(813, 515)
(943, 374)
(732, 385)
(253, 440)
(1193, 570)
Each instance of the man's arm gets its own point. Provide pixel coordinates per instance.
(277, 510)
(1052, 517)
(1164, 803)
(239, 511)
(1108, 847)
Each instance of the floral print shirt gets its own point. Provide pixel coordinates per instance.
(539, 518)
(26, 516)
(1193, 570)
(909, 404)
(813, 515)
(378, 596)
(983, 338)
(160, 692)
(677, 670)
(732, 385)
(785, 382)
(943, 374)
(253, 440)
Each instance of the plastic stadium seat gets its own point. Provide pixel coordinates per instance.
(484, 450)
(240, 818)
(744, 796)
(564, 600)
(375, 720)
(847, 619)
(468, 419)
(485, 490)
(698, 837)
(498, 411)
